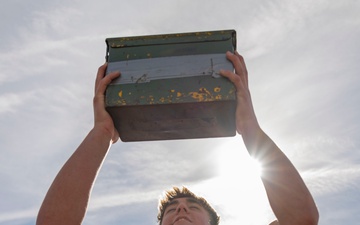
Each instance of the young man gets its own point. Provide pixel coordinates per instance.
(181, 205)
(290, 200)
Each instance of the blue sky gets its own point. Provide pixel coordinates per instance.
(303, 62)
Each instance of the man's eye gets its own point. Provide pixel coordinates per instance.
(194, 207)
(170, 210)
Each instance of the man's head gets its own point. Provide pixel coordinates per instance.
(183, 204)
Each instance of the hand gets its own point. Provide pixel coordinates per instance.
(102, 119)
(245, 115)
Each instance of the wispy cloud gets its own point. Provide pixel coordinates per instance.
(303, 66)
(8, 102)
(17, 217)
(333, 179)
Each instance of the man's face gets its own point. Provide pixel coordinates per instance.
(185, 211)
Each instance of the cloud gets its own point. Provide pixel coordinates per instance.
(17, 217)
(332, 180)
(9, 101)
(157, 164)
(123, 199)
(303, 64)
(285, 24)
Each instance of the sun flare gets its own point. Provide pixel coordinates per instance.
(237, 190)
(234, 161)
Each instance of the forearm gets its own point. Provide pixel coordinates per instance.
(68, 196)
(288, 195)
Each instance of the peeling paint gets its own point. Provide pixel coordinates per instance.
(117, 46)
(151, 99)
(172, 95)
(197, 96)
(202, 95)
(121, 102)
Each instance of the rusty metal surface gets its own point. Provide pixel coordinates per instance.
(158, 109)
(180, 90)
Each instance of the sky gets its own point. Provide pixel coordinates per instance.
(303, 62)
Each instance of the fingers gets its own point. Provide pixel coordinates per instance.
(239, 65)
(235, 79)
(243, 67)
(235, 61)
(102, 80)
(100, 75)
(240, 77)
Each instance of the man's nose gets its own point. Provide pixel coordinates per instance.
(182, 207)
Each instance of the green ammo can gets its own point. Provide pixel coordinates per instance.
(170, 87)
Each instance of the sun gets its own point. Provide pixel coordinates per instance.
(237, 190)
(234, 160)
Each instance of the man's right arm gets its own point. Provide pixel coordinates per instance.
(67, 198)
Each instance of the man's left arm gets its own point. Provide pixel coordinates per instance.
(288, 195)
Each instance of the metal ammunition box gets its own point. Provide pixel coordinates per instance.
(170, 87)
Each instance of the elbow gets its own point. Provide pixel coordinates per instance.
(40, 221)
(314, 217)
(43, 220)
(311, 217)
(310, 213)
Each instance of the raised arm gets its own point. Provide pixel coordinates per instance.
(288, 195)
(67, 199)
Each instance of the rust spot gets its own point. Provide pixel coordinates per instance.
(195, 95)
(205, 91)
(232, 91)
(217, 89)
(117, 46)
(202, 95)
(121, 102)
(120, 94)
(178, 94)
(150, 99)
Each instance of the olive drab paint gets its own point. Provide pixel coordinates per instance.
(170, 87)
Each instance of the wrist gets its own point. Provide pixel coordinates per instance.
(102, 134)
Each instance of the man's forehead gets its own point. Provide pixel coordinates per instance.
(186, 199)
